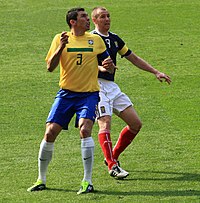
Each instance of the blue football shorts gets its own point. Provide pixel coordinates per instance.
(63, 109)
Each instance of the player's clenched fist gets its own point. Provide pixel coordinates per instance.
(109, 65)
(64, 39)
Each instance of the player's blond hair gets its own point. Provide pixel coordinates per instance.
(94, 13)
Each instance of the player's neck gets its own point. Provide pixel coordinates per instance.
(102, 32)
(77, 32)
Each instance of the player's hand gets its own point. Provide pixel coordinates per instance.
(160, 76)
(109, 65)
(63, 39)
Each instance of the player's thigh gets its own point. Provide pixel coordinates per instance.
(86, 113)
(130, 117)
(121, 103)
(105, 105)
(86, 107)
(61, 112)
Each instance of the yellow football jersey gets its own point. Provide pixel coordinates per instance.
(78, 61)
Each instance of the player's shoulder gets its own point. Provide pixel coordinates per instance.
(109, 33)
(93, 32)
(93, 36)
(58, 35)
(114, 35)
(66, 32)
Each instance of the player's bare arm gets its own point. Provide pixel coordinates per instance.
(53, 62)
(142, 64)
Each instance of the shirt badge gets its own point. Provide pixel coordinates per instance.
(103, 110)
(90, 42)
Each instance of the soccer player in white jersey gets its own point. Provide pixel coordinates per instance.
(77, 52)
(112, 100)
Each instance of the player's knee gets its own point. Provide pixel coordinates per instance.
(104, 128)
(49, 136)
(136, 127)
(51, 133)
(85, 132)
(104, 123)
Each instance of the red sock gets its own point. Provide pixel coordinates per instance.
(125, 138)
(106, 146)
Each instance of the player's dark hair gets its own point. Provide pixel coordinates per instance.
(72, 14)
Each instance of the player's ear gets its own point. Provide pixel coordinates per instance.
(72, 22)
(94, 20)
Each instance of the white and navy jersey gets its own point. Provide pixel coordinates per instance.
(114, 45)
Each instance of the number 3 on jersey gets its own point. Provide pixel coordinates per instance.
(80, 58)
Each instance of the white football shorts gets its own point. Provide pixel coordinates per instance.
(112, 100)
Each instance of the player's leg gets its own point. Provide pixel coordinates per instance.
(56, 121)
(104, 138)
(85, 116)
(108, 91)
(127, 135)
(45, 155)
(106, 146)
(46, 149)
(87, 148)
(87, 153)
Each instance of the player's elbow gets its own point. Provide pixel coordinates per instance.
(50, 66)
(133, 58)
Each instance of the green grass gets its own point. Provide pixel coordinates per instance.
(163, 160)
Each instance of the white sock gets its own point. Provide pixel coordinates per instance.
(44, 157)
(87, 151)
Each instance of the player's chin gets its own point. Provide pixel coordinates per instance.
(87, 27)
(107, 25)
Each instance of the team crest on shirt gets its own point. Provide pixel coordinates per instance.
(103, 110)
(116, 44)
(90, 42)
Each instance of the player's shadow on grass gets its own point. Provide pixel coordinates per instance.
(60, 190)
(151, 176)
(163, 176)
(158, 176)
(167, 193)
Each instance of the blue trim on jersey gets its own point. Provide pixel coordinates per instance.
(102, 56)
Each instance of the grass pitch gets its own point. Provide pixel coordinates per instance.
(163, 160)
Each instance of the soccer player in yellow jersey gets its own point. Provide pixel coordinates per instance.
(78, 53)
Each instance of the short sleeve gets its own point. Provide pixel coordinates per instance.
(54, 45)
